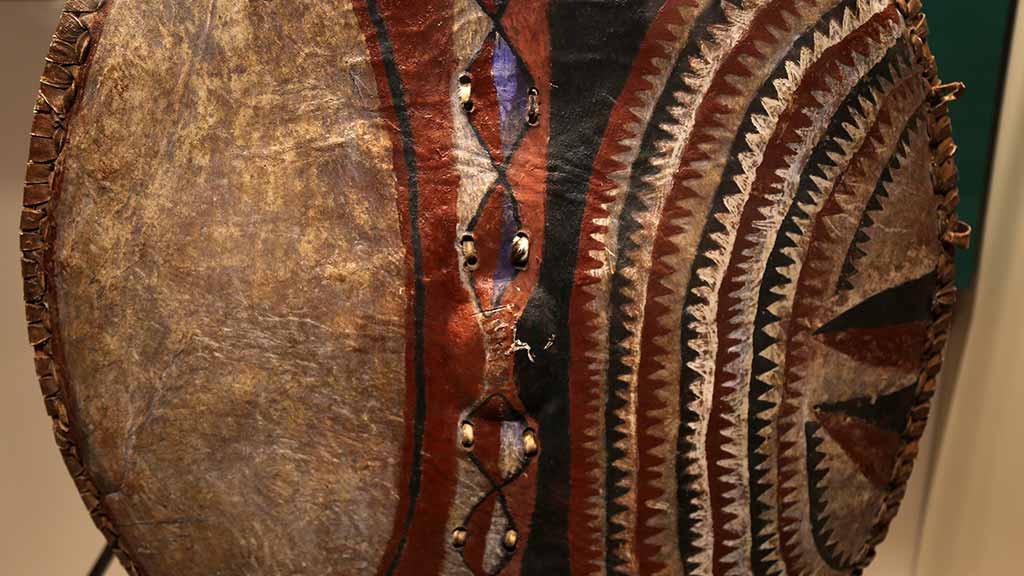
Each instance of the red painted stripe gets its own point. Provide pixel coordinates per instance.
(453, 352)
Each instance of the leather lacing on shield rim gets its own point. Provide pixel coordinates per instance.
(66, 69)
(953, 233)
(67, 64)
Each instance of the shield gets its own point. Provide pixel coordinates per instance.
(490, 286)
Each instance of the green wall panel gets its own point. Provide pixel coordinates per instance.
(970, 42)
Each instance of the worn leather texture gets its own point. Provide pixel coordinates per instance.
(491, 287)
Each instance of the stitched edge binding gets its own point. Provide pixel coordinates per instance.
(953, 233)
(66, 65)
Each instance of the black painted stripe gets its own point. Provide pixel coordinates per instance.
(904, 304)
(816, 474)
(103, 562)
(593, 43)
(409, 155)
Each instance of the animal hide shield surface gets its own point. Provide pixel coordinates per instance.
(480, 287)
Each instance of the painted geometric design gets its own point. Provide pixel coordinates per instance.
(670, 285)
(497, 83)
(498, 116)
(496, 225)
(887, 329)
(500, 87)
(728, 210)
(869, 429)
(497, 455)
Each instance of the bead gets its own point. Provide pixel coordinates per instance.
(467, 435)
(520, 254)
(530, 443)
(510, 540)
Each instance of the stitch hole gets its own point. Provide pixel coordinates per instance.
(530, 447)
(510, 540)
(466, 91)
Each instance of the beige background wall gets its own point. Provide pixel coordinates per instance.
(976, 505)
(970, 527)
(45, 529)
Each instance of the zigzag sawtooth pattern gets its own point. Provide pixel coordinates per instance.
(758, 181)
